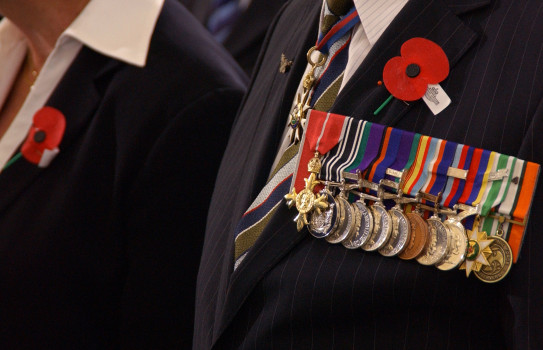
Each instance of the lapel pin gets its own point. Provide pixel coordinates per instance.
(44, 136)
(285, 64)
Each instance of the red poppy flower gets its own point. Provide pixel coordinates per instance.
(422, 62)
(45, 134)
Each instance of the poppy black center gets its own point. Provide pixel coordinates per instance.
(412, 70)
(39, 136)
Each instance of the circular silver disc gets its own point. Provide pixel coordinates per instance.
(323, 224)
(346, 222)
(458, 245)
(382, 227)
(401, 232)
(437, 248)
(363, 230)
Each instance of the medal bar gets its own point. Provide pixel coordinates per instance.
(378, 198)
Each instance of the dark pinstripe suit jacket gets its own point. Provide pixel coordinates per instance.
(248, 33)
(296, 292)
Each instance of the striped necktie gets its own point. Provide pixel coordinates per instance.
(224, 15)
(334, 37)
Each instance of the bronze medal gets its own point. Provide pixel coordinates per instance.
(418, 238)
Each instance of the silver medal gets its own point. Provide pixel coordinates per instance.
(363, 226)
(346, 222)
(323, 224)
(382, 227)
(437, 246)
(458, 245)
(401, 232)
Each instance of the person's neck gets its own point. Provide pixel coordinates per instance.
(42, 22)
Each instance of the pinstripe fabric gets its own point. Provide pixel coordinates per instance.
(301, 293)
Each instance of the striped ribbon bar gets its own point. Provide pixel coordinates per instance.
(323, 133)
(355, 136)
(510, 218)
(501, 186)
(372, 149)
(439, 167)
(389, 152)
(406, 153)
(419, 172)
(455, 185)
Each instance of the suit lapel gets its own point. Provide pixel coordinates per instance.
(76, 97)
(261, 152)
(433, 20)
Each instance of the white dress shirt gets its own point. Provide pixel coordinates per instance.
(375, 17)
(120, 29)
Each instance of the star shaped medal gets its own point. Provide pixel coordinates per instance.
(306, 201)
(478, 250)
(323, 132)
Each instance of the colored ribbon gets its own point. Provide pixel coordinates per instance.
(323, 132)
(455, 187)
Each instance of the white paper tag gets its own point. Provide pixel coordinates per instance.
(47, 157)
(436, 99)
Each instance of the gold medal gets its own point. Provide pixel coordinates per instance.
(499, 262)
(478, 249)
(306, 201)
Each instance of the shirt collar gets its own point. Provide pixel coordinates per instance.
(376, 15)
(12, 52)
(120, 29)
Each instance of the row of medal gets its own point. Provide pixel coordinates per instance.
(407, 235)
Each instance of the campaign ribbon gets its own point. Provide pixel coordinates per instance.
(415, 171)
(342, 156)
(483, 182)
(455, 186)
(406, 152)
(361, 150)
(476, 172)
(323, 132)
(438, 178)
(518, 202)
(522, 207)
(372, 148)
(389, 153)
(424, 174)
(494, 193)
